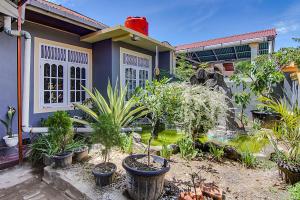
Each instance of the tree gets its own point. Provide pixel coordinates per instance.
(242, 99)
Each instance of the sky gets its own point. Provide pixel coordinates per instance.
(187, 21)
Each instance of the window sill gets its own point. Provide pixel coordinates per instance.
(53, 109)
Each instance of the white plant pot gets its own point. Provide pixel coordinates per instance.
(11, 142)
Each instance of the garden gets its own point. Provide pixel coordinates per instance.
(179, 137)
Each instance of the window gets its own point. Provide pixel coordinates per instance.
(135, 69)
(63, 72)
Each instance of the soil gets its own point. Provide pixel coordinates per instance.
(142, 164)
(233, 178)
(104, 168)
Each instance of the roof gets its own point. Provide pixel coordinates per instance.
(66, 12)
(229, 39)
(127, 35)
(8, 8)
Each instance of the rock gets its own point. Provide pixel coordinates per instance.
(229, 151)
(137, 137)
(174, 148)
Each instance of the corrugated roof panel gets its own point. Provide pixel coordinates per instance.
(226, 57)
(208, 58)
(244, 55)
(224, 50)
(242, 48)
(205, 53)
(233, 38)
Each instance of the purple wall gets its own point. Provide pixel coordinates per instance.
(8, 78)
(102, 62)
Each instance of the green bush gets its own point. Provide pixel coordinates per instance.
(44, 144)
(248, 159)
(127, 143)
(60, 128)
(294, 191)
(166, 151)
(187, 149)
(217, 153)
(106, 132)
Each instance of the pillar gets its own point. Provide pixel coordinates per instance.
(254, 50)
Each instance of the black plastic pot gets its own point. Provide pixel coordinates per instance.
(145, 185)
(47, 160)
(290, 174)
(267, 118)
(104, 179)
(63, 159)
(80, 154)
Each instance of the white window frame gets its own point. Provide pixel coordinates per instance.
(137, 68)
(39, 106)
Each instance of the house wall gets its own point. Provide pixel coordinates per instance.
(8, 64)
(116, 57)
(8, 78)
(102, 62)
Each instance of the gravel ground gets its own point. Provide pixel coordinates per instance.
(237, 181)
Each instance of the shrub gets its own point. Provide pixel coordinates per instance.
(127, 143)
(166, 151)
(287, 130)
(216, 152)
(43, 144)
(187, 149)
(294, 191)
(248, 159)
(106, 132)
(201, 109)
(60, 128)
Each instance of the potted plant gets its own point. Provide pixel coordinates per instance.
(61, 131)
(106, 132)
(145, 172)
(42, 148)
(263, 74)
(287, 133)
(80, 151)
(106, 117)
(10, 139)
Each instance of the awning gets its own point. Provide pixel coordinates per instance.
(8, 8)
(121, 33)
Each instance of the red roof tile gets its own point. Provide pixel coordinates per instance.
(245, 36)
(69, 11)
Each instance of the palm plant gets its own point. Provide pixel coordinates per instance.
(9, 119)
(287, 130)
(121, 110)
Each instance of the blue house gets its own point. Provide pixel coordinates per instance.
(68, 49)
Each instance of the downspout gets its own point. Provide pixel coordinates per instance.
(26, 78)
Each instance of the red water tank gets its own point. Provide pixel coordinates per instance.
(138, 24)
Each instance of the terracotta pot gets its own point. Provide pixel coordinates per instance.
(80, 154)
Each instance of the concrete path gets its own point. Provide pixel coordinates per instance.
(23, 183)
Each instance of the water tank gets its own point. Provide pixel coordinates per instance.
(138, 24)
